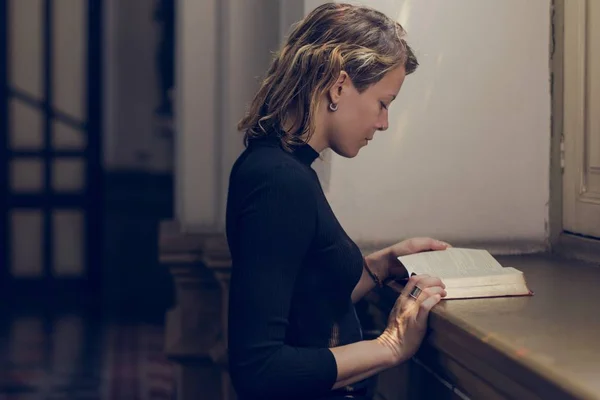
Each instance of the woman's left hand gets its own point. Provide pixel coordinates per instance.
(410, 246)
(386, 262)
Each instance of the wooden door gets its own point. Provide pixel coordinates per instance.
(581, 179)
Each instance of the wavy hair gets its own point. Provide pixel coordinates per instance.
(334, 37)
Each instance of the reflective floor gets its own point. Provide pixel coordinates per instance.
(79, 345)
(71, 355)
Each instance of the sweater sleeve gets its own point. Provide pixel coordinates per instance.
(274, 225)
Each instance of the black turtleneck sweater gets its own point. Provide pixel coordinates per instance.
(293, 272)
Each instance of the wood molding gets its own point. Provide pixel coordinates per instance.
(555, 223)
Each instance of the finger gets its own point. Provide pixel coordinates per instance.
(428, 281)
(426, 294)
(410, 285)
(431, 291)
(422, 282)
(427, 243)
(439, 245)
(425, 307)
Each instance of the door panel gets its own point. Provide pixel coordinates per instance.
(26, 130)
(581, 197)
(68, 231)
(26, 47)
(26, 232)
(68, 175)
(27, 175)
(65, 137)
(69, 57)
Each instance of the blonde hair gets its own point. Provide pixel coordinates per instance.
(334, 37)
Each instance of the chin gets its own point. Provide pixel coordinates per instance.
(346, 153)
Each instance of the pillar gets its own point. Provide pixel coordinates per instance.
(223, 49)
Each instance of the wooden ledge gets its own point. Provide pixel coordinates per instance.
(578, 247)
(544, 346)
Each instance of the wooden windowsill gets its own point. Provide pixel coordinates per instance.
(544, 346)
(578, 247)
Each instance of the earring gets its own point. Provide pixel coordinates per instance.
(333, 107)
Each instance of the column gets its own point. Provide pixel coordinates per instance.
(224, 48)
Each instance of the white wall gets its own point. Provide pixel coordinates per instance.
(466, 157)
(132, 138)
(467, 154)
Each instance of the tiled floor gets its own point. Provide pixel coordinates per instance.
(71, 355)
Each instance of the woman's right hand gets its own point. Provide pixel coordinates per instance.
(407, 322)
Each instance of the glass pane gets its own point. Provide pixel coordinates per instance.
(26, 47)
(69, 39)
(67, 347)
(69, 238)
(26, 125)
(27, 175)
(28, 342)
(67, 138)
(26, 244)
(68, 174)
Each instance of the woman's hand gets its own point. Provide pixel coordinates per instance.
(385, 264)
(410, 246)
(407, 322)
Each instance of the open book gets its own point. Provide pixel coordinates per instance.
(467, 273)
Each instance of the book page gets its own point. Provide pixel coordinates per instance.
(453, 263)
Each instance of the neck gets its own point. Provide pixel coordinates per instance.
(318, 140)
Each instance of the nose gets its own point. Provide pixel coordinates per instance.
(383, 124)
(383, 127)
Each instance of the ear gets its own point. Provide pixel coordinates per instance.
(335, 92)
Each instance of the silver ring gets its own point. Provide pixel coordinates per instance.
(415, 292)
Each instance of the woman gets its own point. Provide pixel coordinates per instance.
(293, 330)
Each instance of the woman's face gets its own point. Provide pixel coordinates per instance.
(359, 115)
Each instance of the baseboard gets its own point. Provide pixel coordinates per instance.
(577, 247)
